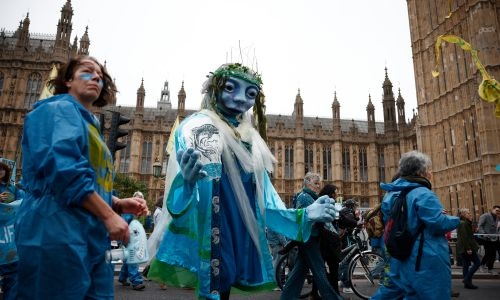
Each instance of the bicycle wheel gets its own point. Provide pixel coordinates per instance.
(365, 273)
(282, 270)
(284, 267)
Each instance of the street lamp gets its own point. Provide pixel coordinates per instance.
(157, 168)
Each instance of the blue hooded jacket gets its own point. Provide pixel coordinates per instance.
(423, 207)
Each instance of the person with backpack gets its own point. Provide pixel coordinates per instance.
(426, 273)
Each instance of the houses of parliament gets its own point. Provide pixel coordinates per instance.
(453, 125)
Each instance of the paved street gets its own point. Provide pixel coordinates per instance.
(488, 289)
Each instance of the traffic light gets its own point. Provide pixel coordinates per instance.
(115, 132)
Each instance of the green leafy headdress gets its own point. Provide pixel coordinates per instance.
(218, 78)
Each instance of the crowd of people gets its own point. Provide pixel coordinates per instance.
(226, 222)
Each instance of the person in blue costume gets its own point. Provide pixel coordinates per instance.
(10, 199)
(433, 279)
(220, 197)
(69, 215)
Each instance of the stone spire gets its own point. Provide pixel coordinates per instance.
(84, 43)
(64, 29)
(141, 95)
(164, 103)
(389, 106)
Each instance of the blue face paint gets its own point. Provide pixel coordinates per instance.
(89, 76)
(237, 96)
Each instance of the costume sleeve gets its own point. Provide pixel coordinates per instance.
(291, 223)
(60, 151)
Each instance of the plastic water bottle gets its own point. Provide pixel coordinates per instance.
(136, 251)
(118, 255)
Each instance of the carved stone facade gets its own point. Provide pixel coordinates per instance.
(455, 127)
(355, 155)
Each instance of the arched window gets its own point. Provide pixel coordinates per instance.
(1, 82)
(309, 158)
(125, 158)
(33, 89)
(346, 164)
(146, 161)
(288, 161)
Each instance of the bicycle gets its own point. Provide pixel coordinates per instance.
(364, 268)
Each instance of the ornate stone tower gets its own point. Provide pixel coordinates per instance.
(455, 127)
(26, 60)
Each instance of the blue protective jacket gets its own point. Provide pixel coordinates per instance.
(59, 242)
(8, 213)
(433, 281)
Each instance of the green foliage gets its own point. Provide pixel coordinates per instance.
(126, 186)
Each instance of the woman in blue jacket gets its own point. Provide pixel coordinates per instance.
(433, 279)
(69, 215)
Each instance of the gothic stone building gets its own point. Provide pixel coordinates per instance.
(456, 128)
(355, 155)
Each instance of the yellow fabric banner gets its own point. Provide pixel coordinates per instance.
(47, 91)
(489, 89)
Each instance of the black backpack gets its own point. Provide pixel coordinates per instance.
(398, 238)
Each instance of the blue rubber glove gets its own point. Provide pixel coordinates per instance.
(191, 165)
(322, 210)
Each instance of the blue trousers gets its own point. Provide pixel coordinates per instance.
(309, 257)
(130, 272)
(9, 280)
(468, 270)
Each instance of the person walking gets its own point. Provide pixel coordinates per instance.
(487, 227)
(309, 255)
(69, 215)
(10, 199)
(433, 280)
(330, 245)
(467, 247)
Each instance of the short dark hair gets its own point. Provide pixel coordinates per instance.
(328, 189)
(66, 72)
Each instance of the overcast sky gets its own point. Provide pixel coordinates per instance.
(317, 46)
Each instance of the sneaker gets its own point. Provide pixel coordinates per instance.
(139, 287)
(492, 272)
(276, 289)
(124, 282)
(455, 294)
(347, 290)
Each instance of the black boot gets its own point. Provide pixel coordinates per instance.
(468, 285)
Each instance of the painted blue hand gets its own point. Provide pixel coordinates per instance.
(322, 210)
(191, 165)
